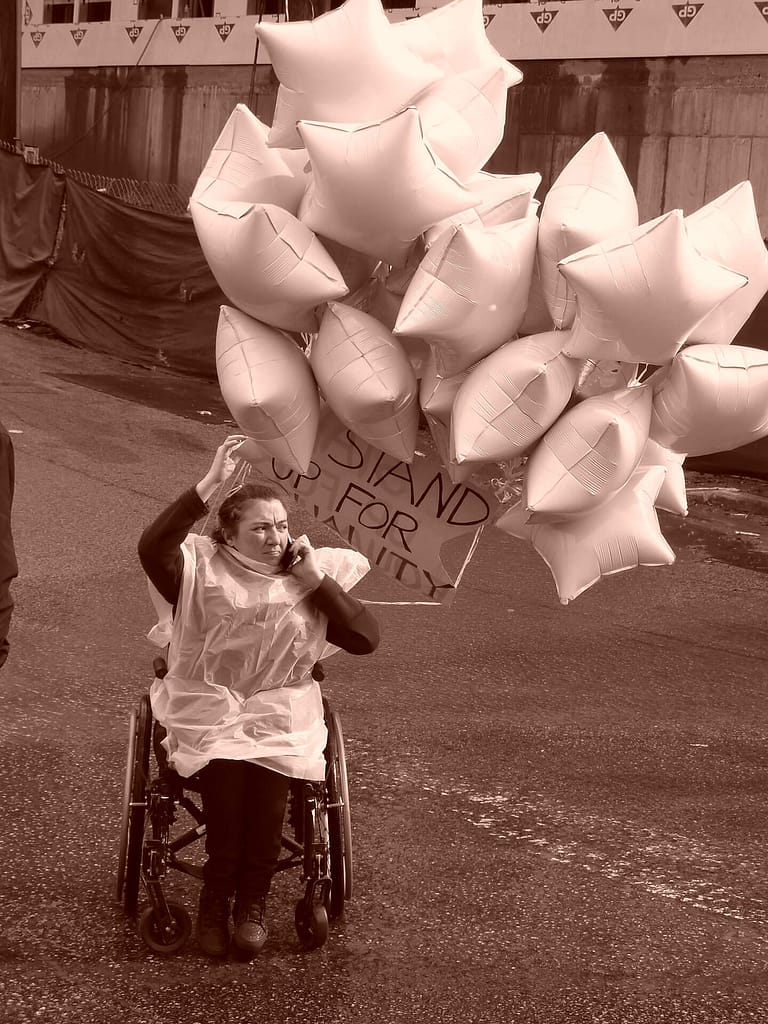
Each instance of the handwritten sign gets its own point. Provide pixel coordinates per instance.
(399, 515)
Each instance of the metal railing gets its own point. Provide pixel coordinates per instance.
(157, 196)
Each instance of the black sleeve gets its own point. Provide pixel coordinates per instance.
(8, 566)
(350, 625)
(160, 544)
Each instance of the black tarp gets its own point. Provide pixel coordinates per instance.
(133, 283)
(30, 206)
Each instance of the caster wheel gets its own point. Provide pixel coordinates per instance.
(165, 941)
(312, 927)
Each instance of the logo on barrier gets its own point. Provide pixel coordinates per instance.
(686, 12)
(134, 31)
(487, 19)
(78, 34)
(180, 32)
(762, 6)
(224, 28)
(37, 36)
(617, 16)
(543, 18)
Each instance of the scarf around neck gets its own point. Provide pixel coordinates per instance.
(250, 563)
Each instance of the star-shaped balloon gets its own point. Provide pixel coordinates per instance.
(356, 268)
(266, 261)
(537, 319)
(588, 454)
(619, 535)
(712, 398)
(641, 293)
(241, 166)
(367, 380)
(511, 398)
(454, 38)
(463, 118)
(727, 231)
(500, 198)
(469, 293)
(348, 65)
(378, 186)
(268, 386)
(598, 377)
(591, 199)
(436, 397)
(672, 496)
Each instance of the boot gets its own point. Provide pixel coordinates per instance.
(250, 928)
(212, 928)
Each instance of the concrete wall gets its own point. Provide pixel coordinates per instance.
(686, 129)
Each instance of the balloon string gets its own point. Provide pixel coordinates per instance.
(230, 485)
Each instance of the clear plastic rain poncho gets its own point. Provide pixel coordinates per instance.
(243, 643)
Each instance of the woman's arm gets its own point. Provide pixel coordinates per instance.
(160, 544)
(350, 625)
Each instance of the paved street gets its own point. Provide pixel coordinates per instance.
(559, 813)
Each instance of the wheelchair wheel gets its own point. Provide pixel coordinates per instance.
(134, 806)
(339, 817)
(173, 937)
(311, 925)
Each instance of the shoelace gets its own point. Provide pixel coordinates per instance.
(255, 914)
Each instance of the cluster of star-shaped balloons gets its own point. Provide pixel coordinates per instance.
(371, 264)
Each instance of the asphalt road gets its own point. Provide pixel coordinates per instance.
(559, 812)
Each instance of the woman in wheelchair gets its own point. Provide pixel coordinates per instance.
(253, 611)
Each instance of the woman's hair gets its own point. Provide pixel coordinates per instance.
(231, 509)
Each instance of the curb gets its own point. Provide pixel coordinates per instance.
(732, 496)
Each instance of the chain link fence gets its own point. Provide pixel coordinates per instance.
(146, 195)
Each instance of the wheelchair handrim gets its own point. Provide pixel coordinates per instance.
(126, 808)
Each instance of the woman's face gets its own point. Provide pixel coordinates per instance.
(262, 532)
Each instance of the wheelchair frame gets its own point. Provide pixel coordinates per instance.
(321, 844)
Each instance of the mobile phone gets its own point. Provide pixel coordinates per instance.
(288, 558)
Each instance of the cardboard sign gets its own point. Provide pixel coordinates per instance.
(398, 514)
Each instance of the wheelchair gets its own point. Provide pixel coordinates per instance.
(317, 836)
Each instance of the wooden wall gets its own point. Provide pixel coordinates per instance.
(152, 124)
(8, 61)
(686, 129)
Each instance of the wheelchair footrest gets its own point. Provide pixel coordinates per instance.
(187, 867)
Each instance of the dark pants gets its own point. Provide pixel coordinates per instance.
(243, 806)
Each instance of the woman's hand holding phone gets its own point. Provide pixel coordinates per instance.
(301, 562)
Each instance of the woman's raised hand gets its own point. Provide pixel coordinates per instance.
(222, 466)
